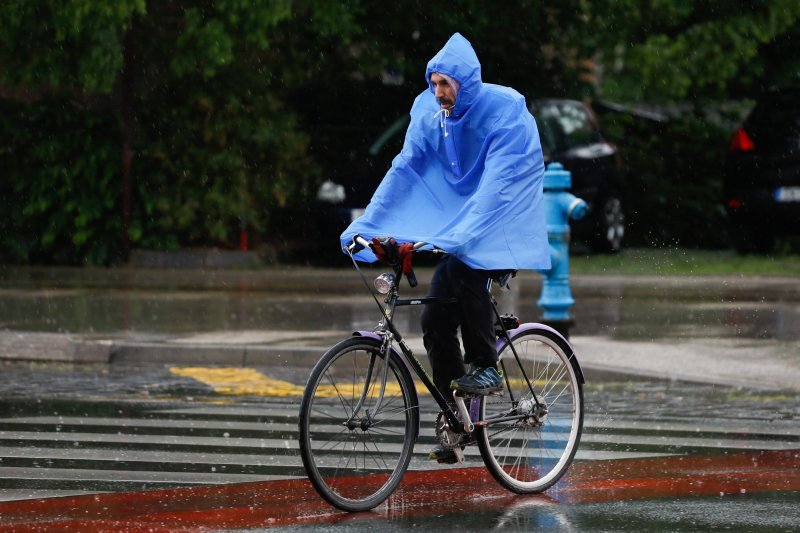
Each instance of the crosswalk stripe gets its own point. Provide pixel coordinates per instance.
(49, 455)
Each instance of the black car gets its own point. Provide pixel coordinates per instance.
(569, 134)
(762, 173)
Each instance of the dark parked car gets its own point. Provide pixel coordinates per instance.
(570, 135)
(762, 173)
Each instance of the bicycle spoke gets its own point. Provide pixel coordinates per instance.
(339, 394)
(352, 437)
(366, 440)
(530, 452)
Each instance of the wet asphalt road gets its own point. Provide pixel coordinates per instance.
(160, 303)
(124, 428)
(655, 455)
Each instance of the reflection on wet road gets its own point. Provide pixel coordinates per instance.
(186, 448)
(221, 463)
(153, 303)
(432, 499)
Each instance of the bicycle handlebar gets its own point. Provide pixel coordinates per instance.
(359, 243)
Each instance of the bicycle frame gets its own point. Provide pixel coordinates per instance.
(393, 301)
(387, 333)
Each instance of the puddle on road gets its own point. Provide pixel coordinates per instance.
(620, 312)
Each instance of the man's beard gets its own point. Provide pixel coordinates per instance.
(445, 103)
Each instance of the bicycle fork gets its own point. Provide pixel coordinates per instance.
(368, 381)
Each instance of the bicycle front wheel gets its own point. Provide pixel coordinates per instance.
(529, 435)
(357, 434)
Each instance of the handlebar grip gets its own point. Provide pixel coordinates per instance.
(361, 241)
(358, 244)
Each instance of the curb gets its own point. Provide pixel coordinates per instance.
(721, 363)
(63, 348)
(52, 347)
(212, 354)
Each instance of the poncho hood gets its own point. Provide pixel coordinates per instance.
(458, 60)
(469, 183)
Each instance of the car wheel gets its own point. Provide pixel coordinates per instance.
(610, 226)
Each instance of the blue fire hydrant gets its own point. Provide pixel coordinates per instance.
(560, 207)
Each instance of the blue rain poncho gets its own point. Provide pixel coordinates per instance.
(469, 183)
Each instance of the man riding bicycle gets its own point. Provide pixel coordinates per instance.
(469, 181)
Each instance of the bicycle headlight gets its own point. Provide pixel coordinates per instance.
(384, 282)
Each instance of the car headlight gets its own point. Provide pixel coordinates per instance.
(331, 192)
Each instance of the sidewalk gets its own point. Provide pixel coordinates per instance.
(728, 330)
(730, 362)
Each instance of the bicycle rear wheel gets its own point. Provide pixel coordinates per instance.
(355, 445)
(527, 446)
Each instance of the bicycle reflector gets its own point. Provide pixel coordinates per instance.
(384, 282)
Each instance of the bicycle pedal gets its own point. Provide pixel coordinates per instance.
(459, 453)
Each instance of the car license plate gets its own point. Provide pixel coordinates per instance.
(787, 194)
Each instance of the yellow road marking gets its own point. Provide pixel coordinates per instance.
(239, 381)
(249, 381)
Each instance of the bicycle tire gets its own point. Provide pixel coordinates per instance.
(524, 454)
(356, 467)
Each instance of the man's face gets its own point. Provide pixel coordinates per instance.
(445, 94)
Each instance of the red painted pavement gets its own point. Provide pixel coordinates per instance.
(291, 502)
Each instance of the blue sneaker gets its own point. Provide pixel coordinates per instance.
(481, 381)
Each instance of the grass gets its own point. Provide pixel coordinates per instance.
(685, 262)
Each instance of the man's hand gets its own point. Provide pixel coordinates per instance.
(389, 253)
(385, 250)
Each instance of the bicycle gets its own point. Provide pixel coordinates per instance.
(359, 416)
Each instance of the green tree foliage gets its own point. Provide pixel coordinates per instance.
(60, 184)
(222, 101)
(64, 45)
(669, 50)
(214, 145)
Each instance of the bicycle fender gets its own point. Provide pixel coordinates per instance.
(401, 356)
(535, 325)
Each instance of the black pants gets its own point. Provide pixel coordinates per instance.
(473, 313)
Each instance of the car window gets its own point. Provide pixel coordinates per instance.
(578, 128)
(551, 132)
(548, 133)
(389, 138)
(564, 126)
